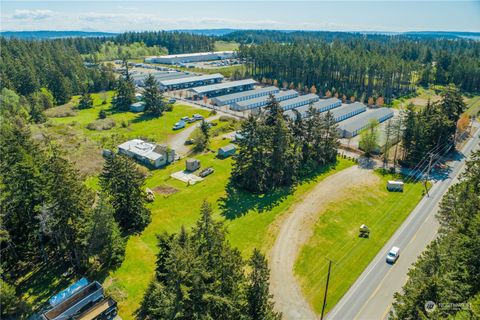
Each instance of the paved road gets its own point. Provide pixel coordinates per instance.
(371, 295)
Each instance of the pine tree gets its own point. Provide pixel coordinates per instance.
(153, 97)
(125, 94)
(86, 101)
(259, 300)
(124, 184)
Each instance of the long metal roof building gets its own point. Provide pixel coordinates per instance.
(242, 96)
(139, 79)
(320, 106)
(190, 57)
(189, 82)
(223, 88)
(352, 127)
(299, 101)
(262, 101)
(348, 110)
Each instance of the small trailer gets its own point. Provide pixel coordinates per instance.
(393, 185)
(364, 231)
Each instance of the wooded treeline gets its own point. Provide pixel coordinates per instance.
(276, 152)
(448, 271)
(50, 219)
(28, 66)
(199, 276)
(360, 65)
(432, 130)
(174, 42)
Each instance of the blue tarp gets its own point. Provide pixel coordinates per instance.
(65, 294)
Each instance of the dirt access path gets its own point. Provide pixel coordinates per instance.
(295, 229)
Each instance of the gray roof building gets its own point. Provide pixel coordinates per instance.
(262, 101)
(223, 88)
(188, 82)
(190, 57)
(348, 110)
(352, 127)
(319, 106)
(299, 101)
(242, 96)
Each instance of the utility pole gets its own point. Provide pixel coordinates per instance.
(428, 174)
(326, 288)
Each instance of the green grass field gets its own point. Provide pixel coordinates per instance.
(248, 219)
(226, 45)
(473, 106)
(336, 237)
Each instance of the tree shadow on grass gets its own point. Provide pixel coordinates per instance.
(238, 202)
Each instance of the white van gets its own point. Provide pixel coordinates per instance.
(393, 255)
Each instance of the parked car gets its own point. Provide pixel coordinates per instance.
(179, 125)
(206, 172)
(188, 142)
(172, 101)
(197, 117)
(393, 255)
(184, 118)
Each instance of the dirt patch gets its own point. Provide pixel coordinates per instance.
(296, 227)
(165, 190)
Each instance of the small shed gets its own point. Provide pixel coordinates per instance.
(227, 151)
(137, 106)
(192, 164)
(393, 185)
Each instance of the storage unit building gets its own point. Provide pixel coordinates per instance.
(320, 106)
(348, 110)
(189, 82)
(222, 88)
(262, 101)
(139, 78)
(190, 57)
(242, 96)
(352, 127)
(227, 151)
(299, 101)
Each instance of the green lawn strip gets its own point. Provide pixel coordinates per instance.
(139, 125)
(473, 106)
(226, 45)
(336, 237)
(248, 225)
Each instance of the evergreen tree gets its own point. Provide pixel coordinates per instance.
(259, 300)
(153, 97)
(101, 239)
(86, 101)
(125, 94)
(369, 138)
(121, 180)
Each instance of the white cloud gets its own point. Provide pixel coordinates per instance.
(32, 14)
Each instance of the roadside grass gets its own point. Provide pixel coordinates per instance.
(248, 227)
(473, 106)
(336, 237)
(221, 45)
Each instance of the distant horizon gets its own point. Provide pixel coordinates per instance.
(313, 15)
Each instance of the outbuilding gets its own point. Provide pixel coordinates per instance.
(192, 164)
(227, 151)
(393, 185)
(137, 106)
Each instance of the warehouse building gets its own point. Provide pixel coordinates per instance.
(262, 101)
(189, 82)
(190, 57)
(320, 106)
(299, 101)
(242, 96)
(222, 88)
(139, 79)
(354, 126)
(348, 111)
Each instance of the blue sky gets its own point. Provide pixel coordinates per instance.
(340, 15)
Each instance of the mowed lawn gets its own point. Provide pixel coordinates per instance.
(336, 237)
(127, 124)
(248, 219)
